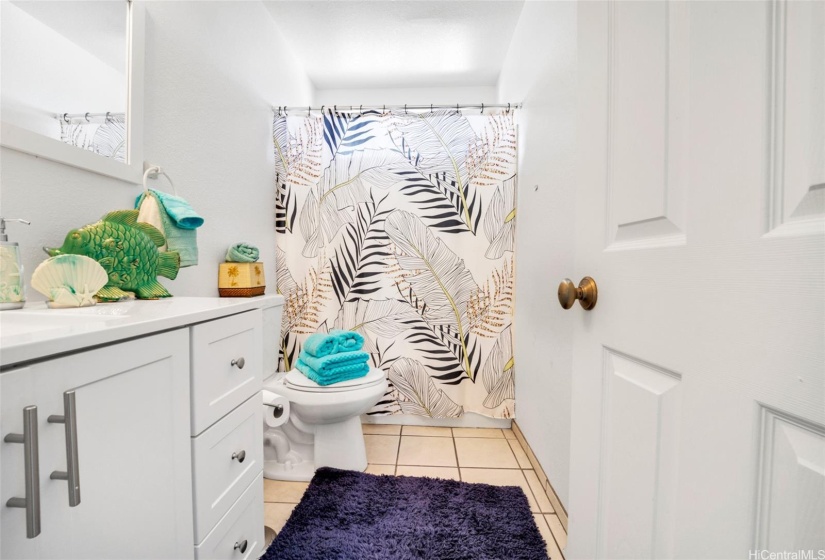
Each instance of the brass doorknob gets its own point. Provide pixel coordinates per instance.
(587, 293)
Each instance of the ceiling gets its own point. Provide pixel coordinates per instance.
(398, 43)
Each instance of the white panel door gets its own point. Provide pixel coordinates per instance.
(135, 478)
(698, 426)
(17, 392)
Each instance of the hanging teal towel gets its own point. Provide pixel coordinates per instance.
(338, 375)
(242, 252)
(181, 240)
(348, 340)
(179, 210)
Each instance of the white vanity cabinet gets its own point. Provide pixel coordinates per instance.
(134, 463)
(160, 412)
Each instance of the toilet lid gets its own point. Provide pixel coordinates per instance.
(297, 380)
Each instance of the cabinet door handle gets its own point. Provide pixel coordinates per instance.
(239, 455)
(239, 363)
(72, 472)
(241, 546)
(32, 467)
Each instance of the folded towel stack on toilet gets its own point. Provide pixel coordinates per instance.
(333, 358)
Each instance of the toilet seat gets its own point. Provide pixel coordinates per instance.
(297, 381)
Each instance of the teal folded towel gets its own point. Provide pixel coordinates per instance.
(327, 364)
(348, 340)
(242, 252)
(181, 240)
(338, 375)
(321, 344)
(179, 210)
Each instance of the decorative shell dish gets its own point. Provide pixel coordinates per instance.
(69, 280)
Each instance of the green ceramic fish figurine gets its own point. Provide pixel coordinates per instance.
(128, 251)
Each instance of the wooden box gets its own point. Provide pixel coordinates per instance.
(241, 279)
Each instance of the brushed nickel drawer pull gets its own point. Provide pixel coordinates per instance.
(72, 472)
(241, 546)
(32, 471)
(239, 363)
(239, 455)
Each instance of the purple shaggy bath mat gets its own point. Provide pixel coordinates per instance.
(347, 515)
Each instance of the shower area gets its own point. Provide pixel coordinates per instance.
(399, 222)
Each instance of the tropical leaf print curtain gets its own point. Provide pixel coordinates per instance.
(401, 227)
(106, 138)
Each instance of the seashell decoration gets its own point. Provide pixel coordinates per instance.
(69, 280)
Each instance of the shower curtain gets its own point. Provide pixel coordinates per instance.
(401, 227)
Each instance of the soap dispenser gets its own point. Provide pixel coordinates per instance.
(12, 293)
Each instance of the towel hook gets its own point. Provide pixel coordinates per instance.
(154, 171)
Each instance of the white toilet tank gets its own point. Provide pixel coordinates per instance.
(272, 334)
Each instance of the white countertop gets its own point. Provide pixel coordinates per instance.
(36, 331)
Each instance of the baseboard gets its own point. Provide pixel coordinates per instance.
(561, 511)
(468, 420)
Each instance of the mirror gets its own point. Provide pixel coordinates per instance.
(71, 83)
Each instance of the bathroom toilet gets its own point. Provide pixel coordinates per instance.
(323, 424)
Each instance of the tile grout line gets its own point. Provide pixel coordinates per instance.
(455, 454)
(557, 504)
(398, 451)
(558, 545)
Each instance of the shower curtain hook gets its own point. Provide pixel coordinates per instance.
(66, 118)
(322, 109)
(384, 109)
(405, 108)
(108, 117)
(431, 107)
(482, 108)
(335, 110)
(508, 108)
(457, 110)
(86, 116)
(361, 110)
(286, 113)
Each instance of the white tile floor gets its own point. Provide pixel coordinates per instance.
(485, 455)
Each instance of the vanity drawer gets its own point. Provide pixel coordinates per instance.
(226, 366)
(219, 479)
(244, 522)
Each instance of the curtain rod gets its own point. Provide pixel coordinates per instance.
(88, 117)
(384, 108)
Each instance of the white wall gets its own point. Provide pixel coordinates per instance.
(471, 95)
(213, 71)
(540, 70)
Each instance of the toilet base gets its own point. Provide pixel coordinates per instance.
(339, 445)
(300, 472)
